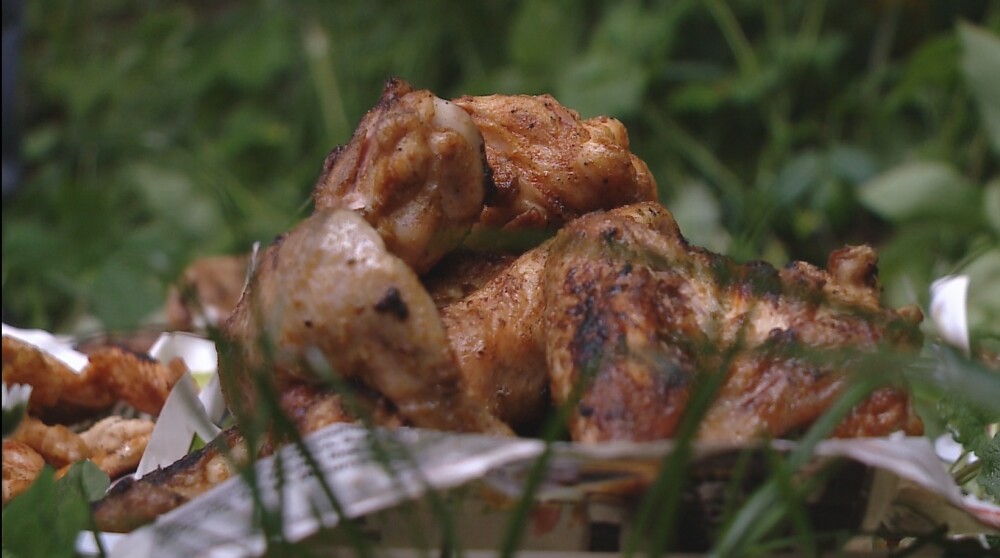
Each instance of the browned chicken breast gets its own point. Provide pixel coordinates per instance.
(329, 295)
(635, 315)
(551, 167)
(415, 170)
(498, 335)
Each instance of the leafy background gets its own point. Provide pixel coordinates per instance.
(155, 132)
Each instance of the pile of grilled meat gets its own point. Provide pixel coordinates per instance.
(472, 264)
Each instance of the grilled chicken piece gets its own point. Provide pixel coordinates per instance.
(462, 273)
(498, 335)
(112, 373)
(551, 167)
(21, 466)
(415, 169)
(58, 445)
(329, 295)
(206, 293)
(133, 503)
(117, 444)
(635, 316)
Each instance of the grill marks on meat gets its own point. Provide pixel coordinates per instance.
(635, 314)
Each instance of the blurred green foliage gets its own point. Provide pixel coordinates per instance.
(155, 132)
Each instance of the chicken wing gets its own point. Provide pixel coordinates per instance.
(635, 316)
(329, 295)
(415, 169)
(551, 167)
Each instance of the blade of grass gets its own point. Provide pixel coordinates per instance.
(763, 510)
(660, 505)
(733, 33)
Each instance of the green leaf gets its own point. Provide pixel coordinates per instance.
(851, 164)
(173, 196)
(989, 473)
(984, 296)
(44, 521)
(603, 84)
(981, 67)
(933, 65)
(797, 178)
(256, 51)
(966, 422)
(124, 294)
(543, 35)
(85, 479)
(920, 189)
(12, 419)
(699, 97)
(699, 216)
(630, 30)
(991, 203)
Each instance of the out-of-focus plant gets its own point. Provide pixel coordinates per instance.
(45, 520)
(159, 132)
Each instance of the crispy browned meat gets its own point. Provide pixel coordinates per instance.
(635, 315)
(116, 444)
(133, 503)
(497, 334)
(136, 379)
(21, 466)
(112, 374)
(53, 382)
(551, 167)
(58, 445)
(206, 293)
(415, 170)
(330, 295)
(463, 272)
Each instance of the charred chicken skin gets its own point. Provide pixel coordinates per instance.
(635, 315)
